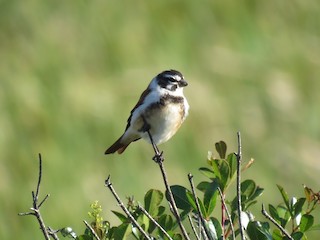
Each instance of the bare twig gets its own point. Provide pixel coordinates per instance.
(266, 214)
(193, 228)
(53, 233)
(45, 198)
(158, 158)
(239, 159)
(134, 222)
(173, 205)
(35, 210)
(154, 221)
(202, 221)
(91, 230)
(227, 211)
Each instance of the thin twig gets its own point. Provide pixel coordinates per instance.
(35, 206)
(193, 228)
(91, 230)
(45, 198)
(134, 222)
(202, 226)
(172, 201)
(154, 221)
(239, 159)
(39, 179)
(158, 158)
(53, 233)
(266, 214)
(227, 211)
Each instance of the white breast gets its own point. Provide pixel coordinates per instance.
(164, 121)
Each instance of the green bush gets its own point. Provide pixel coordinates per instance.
(293, 218)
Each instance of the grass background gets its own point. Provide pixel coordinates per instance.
(70, 72)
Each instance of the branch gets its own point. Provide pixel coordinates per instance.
(239, 159)
(91, 230)
(228, 213)
(172, 202)
(158, 158)
(53, 233)
(202, 222)
(266, 214)
(35, 209)
(134, 222)
(193, 228)
(154, 221)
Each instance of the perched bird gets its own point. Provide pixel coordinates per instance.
(159, 113)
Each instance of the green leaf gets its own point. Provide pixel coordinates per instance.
(285, 198)
(217, 226)
(277, 235)
(123, 218)
(306, 222)
(143, 221)
(248, 188)
(202, 186)
(221, 148)
(84, 237)
(297, 207)
(180, 197)
(211, 229)
(297, 236)
(192, 201)
(215, 168)
(68, 232)
(161, 210)
(166, 222)
(152, 200)
(283, 214)
(232, 161)
(210, 198)
(249, 204)
(224, 171)
(202, 208)
(274, 213)
(122, 231)
(207, 172)
(258, 192)
(258, 230)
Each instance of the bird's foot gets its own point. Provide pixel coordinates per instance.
(158, 158)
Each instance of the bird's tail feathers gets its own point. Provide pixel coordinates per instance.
(118, 146)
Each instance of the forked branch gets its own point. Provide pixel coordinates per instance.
(121, 204)
(35, 209)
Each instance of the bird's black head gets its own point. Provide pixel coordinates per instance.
(171, 80)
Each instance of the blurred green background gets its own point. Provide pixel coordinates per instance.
(70, 72)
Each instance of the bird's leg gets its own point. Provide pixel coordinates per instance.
(158, 155)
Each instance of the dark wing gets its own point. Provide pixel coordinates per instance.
(139, 103)
(119, 146)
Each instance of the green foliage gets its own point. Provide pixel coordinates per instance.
(295, 215)
(258, 230)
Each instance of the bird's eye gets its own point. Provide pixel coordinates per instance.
(171, 79)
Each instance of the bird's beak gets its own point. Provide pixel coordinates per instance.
(183, 83)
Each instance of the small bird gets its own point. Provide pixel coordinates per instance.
(159, 113)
